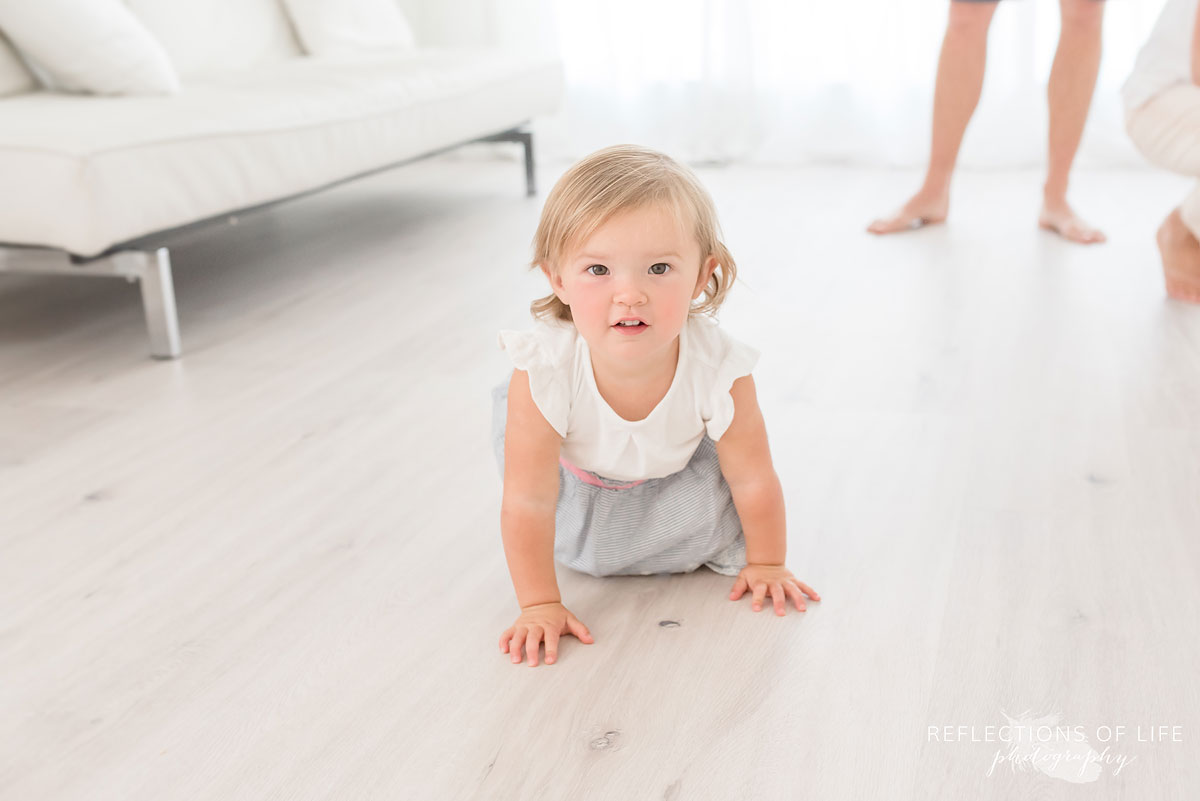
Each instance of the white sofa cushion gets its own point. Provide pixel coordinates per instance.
(14, 76)
(146, 164)
(349, 26)
(89, 46)
(207, 36)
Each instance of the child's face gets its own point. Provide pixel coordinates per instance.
(640, 263)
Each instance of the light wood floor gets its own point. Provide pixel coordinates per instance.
(273, 570)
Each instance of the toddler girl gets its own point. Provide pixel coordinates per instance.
(629, 436)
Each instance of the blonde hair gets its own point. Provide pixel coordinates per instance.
(617, 179)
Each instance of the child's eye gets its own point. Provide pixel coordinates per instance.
(601, 266)
(654, 268)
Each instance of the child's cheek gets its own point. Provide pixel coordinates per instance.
(594, 313)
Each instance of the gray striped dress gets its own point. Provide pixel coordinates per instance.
(672, 524)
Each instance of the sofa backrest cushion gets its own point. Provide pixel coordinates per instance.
(347, 27)
(93, 46)
(15, 77)
(211, 36)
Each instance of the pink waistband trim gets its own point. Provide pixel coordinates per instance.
(587, 478)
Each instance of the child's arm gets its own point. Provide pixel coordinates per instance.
(758, 497)
(531, 449)
(746, 464)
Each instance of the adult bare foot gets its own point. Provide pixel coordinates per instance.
(1181, 258)
(921, 209)
(1059, 217)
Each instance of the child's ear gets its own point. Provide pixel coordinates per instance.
(706, 271)
(555, 279)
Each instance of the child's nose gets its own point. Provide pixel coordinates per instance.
(629, 294)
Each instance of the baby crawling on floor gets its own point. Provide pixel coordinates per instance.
(629, 435)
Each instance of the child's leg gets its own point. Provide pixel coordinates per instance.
(499, 420)
(731, 560)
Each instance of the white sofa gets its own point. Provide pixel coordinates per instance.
(93, 185)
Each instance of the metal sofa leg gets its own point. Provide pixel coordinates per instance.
(150, 267)
(158, 302)
(526, 139)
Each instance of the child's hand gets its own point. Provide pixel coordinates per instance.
(549, 621)
(776, 578)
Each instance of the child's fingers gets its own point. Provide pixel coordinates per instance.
(778, 597)
(577, 628)
(760, 592)
(796, 595)
(809, 591)
(551, 646)
(504, 638)
(739, 588)
(514, 647)
(531, 644)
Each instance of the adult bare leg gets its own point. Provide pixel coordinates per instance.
(955, 96)
(1072, 82)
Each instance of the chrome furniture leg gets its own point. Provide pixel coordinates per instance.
(151, 267)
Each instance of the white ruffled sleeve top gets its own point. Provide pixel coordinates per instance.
(596, 438)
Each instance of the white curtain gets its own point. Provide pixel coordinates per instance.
(814, 81)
